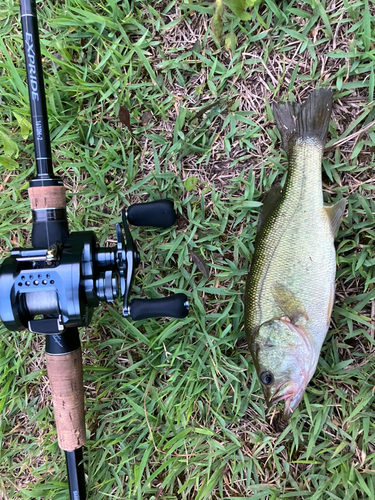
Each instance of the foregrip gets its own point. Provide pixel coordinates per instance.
(47, 197)
(48, 205)
(66, 379)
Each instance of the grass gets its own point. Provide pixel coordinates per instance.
(173, 408)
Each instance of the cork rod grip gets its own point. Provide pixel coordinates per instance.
(66, 379)
(47, 197)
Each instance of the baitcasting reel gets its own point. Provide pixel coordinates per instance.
(51, 289)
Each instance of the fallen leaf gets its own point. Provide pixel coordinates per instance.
(197, 47)
(124, 117)
(200, 263)
(146, 117)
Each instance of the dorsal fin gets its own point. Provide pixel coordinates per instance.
(335, 213)
(271, 201)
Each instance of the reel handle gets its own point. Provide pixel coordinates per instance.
(175, 306)
(158, 213)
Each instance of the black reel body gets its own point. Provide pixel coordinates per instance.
(49, 290)
(51, 284)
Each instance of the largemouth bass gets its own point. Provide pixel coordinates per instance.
(291, 284)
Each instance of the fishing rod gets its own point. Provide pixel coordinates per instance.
(52, 288)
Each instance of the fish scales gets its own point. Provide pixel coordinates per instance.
(290, 288)
(295, 246)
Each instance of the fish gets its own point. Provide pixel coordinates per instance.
(290, 288)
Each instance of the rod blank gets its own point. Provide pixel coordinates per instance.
(37, 97)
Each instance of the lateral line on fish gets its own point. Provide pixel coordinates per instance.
(280, 237)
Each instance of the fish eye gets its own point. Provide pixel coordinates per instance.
(266, 378)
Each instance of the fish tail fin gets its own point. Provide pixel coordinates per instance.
(309, 120)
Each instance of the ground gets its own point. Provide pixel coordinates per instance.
(144, 102)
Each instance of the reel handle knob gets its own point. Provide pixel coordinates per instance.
(158, 213)
(175, 306)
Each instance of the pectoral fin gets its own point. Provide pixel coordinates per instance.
(289, 304)
(335, 213)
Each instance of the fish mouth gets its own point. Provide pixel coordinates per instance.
(291, 404)
(289, 393)
(286, 391)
